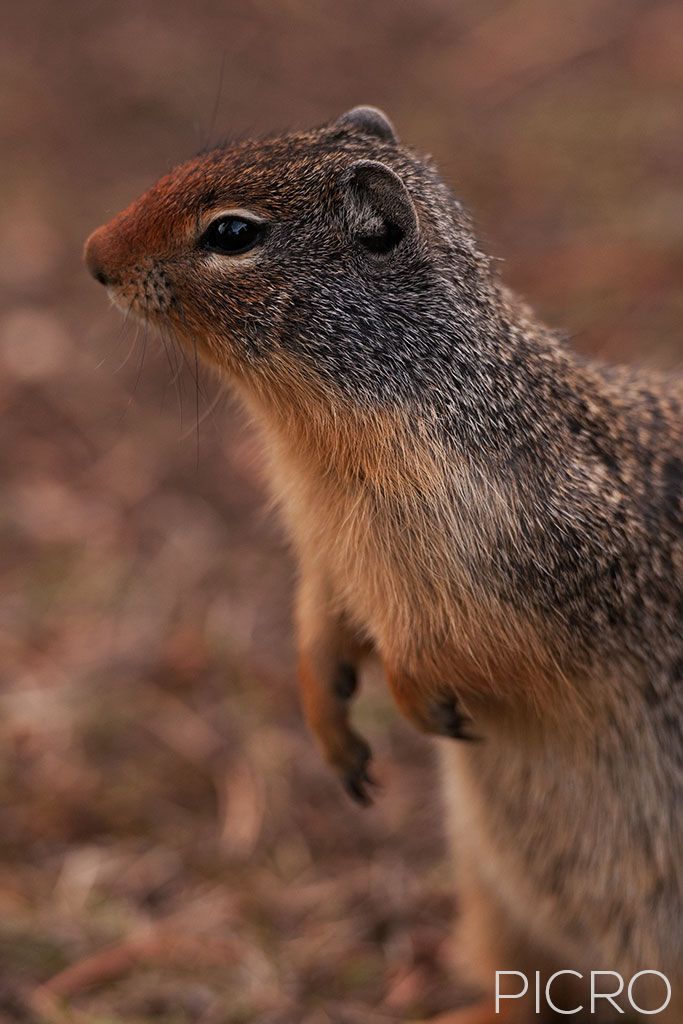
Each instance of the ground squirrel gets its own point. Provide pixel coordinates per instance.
(499, 519)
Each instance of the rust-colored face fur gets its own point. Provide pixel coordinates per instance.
(388, 245)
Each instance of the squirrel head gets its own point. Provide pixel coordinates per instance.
(335, 250)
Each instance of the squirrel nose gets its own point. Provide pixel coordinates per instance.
(94, 261)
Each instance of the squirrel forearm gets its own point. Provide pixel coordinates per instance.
(329, 656)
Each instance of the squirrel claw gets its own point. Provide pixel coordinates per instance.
(357, 790)
(450, 721)
(346, 681)
(356, 777)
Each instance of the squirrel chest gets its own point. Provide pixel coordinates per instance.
(408, 566)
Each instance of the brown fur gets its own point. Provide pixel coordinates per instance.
(496, 519)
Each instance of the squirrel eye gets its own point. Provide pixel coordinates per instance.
(232, 235)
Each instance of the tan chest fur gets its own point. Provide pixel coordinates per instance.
(392, 556)
(396, 526)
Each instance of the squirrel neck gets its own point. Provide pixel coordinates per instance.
(520, 459)
(514, 395)
(503, 393)
(525, 481)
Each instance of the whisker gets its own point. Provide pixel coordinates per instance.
(217, 102)
(180, 348)
(120, 334)
(193, 372)
(130, 350)
(208, 412)
(124, 323)
(174, 366)
(143, 353)
(196, 402)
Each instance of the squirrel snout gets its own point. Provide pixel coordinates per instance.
(94, 258)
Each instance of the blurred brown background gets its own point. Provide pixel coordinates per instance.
(166, 829)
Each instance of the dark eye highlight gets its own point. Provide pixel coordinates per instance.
(232, 235)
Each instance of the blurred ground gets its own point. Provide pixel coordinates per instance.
(166, 829)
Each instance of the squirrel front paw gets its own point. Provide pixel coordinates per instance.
(349, 756)
(345, 681)
(438, 714)
(354, 770)
(354, 755)
(448, 719)
(326, 700)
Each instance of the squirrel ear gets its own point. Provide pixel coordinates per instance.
(369, 121)
(380, 212)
